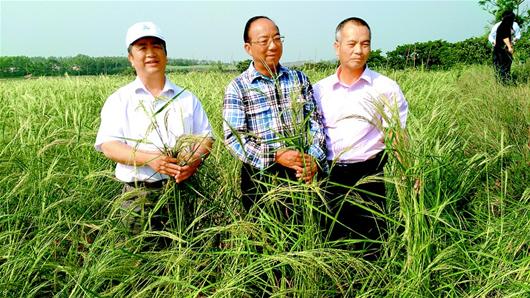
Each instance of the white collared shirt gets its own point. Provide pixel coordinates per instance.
(127, 117)
(351, 114)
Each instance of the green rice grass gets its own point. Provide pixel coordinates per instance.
(457, 203)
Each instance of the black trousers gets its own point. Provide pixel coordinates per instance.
(255, 183)
(346, 203)
(502, 62)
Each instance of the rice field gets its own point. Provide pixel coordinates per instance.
(458, 203)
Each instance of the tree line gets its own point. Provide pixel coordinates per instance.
(436, 54)
(20, 66)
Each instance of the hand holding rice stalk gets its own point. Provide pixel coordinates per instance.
(188, 150)
(296, 134)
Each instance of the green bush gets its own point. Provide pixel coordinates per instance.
(377, 59)
(241, 66)
(522, 49)
(428, 54)
(476, 50)
(440, 54)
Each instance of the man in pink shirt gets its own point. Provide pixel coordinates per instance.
(357, 104)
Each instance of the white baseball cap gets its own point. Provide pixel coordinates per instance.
(143, 29)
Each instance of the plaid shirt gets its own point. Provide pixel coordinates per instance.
(263, 114)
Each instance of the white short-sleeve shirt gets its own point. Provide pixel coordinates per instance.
(352, 114)
(130, 116)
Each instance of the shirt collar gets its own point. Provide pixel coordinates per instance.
(366, 76)
(169, 89)
(253, 74)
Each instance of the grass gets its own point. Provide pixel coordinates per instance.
(463, 231)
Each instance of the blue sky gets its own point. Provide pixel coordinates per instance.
(212, 30)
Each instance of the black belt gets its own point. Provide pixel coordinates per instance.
(145, 184)
(375, 159)
(343, 164)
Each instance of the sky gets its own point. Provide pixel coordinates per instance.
(212, 30)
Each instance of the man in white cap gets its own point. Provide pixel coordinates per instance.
(142, 122)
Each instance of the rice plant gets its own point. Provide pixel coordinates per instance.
(457, 201)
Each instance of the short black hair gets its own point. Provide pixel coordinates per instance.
(249, 22)
(157, 41)
(355, 20)
(507, 13)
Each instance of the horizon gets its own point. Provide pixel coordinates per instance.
(213, 29)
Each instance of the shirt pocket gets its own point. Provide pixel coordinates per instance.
(138, 126)
(259, 120)
(180, 122)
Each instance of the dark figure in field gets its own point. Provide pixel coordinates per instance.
(259, 117)
(356, 103)
(503, 49)
(516, 31)
(127, 135)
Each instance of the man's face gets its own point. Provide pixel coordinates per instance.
(265, 45)
(353, 47)
(148, 56)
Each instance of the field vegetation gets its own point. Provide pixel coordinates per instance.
(458, 204)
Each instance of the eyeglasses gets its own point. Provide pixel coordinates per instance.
(266, 42)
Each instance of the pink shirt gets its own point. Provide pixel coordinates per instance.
(353, 115)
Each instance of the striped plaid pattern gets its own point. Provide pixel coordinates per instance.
(259, 115)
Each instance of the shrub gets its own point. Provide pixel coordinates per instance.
(241, 66)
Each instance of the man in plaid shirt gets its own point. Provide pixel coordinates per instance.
(271, 122)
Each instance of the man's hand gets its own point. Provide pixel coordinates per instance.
(164, 164)
(188, 162)
(308, 172)
(304, 164)
(180, 168)
(125, 154)
(187, 166)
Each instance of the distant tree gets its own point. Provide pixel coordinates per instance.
(497, 7)
(38, 66)
(241, 66)
(7, 67)
(186, 62)
(475, 50)
(323, 66)
(429, 54)
(54, 67)
(377, 59)
(16, 66)
(78, 65)
(522, 49)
